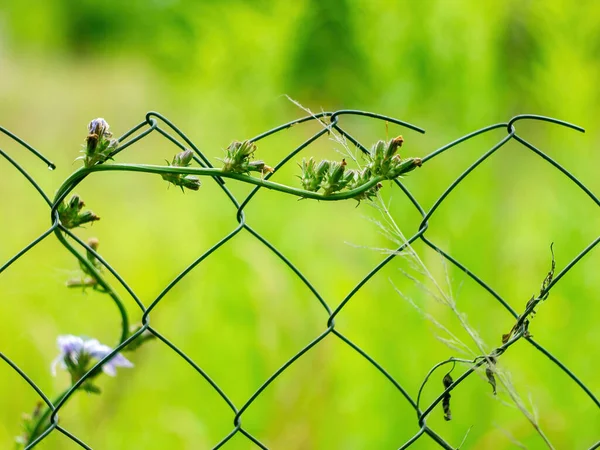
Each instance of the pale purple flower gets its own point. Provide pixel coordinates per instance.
(99, 351)
(99, 127)
(74, 347)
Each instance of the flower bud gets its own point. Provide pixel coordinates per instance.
(190, 182)
(183, 159)
(322, 168)
(70, 215)
(92, 142)
(334, 179)
(399, 167)
(85, 217)
(76, 203)
(93, 243)
(393, 146)
(378, 155)
(260, 166)
(309, 180)
(336, 170)
(98, 127)
(98, 143)
(237, 159)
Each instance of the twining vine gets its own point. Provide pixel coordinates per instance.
(85, 359)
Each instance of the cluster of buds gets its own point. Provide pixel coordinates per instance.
(336, 177)
(98, 143)
(385, 161)
(88, 279)
(313, 174)
(361, 178)
(238, 159)
(332, 176)
(182, 159)
(70, 213)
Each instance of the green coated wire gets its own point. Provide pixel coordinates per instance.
(330, 121)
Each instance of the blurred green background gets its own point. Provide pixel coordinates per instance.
(220, 71)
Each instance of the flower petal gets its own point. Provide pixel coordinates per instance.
(69, 343)
(109, 369)
(58, 360)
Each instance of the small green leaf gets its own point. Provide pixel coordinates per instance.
(90, 388)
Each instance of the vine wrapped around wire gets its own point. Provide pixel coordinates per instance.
(84, 358)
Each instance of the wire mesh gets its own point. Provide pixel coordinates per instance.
(155, 123)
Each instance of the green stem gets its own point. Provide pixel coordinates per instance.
(62, 191)
(212, 172)
(122, 311)
(35, 432)
(124, 331)
(96, 275)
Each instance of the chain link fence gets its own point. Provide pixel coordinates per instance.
(154, 123)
